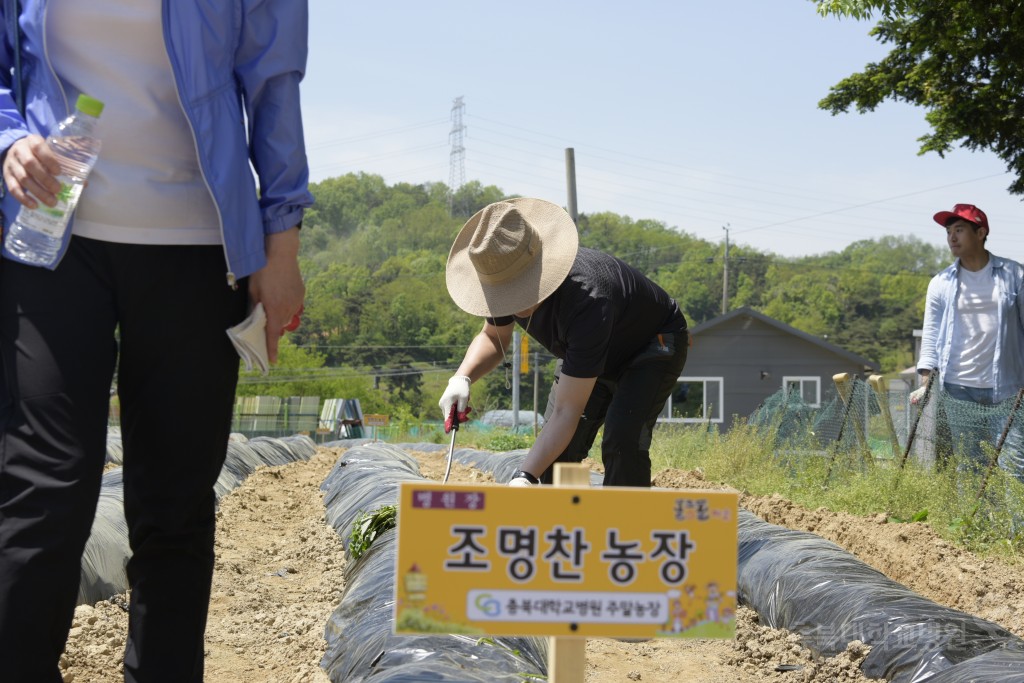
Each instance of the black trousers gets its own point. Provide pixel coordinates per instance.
(176, 379)
(627, 404)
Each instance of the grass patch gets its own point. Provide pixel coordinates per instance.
(861, 479)
(507, 441)
(747, 458)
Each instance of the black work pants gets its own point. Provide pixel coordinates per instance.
(176, 372)
(627, 404)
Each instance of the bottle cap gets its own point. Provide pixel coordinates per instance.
(89, 105)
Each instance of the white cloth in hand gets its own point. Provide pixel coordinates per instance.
(457, 394)
(249, 338)
(917, 394)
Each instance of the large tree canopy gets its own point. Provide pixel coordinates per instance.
(963, 60)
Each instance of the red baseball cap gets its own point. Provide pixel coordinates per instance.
(968, 212)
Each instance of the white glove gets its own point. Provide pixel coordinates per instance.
(457, 394)
(917, 394)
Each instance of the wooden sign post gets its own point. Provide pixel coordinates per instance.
(567, 657)
(373, 420)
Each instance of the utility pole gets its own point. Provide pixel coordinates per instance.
(725, 273)
(570, 181)
(515, 380)
(536, 391)
(457, 157)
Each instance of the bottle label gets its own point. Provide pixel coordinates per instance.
(52, 221)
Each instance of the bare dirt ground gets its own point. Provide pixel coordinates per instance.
(279, 567)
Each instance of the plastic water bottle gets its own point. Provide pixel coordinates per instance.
(37, 234)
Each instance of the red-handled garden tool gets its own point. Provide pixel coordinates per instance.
(451, 424)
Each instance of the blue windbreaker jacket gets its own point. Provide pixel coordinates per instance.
(237, 65)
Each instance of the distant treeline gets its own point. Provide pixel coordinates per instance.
(376, 307)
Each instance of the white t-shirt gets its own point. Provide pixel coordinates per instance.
(147, 187)
(972, 351)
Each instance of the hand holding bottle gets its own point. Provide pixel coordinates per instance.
(30, 171)
(39, 235)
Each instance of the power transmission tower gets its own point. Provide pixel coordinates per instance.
(457, 157)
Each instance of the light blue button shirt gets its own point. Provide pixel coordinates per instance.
(940, 319)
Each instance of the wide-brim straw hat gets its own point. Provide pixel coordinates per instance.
(511, 255)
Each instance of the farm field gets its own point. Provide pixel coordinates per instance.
(279, 577)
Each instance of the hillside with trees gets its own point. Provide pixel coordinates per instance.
(379, 325)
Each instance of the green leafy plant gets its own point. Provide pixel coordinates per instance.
(508, 442)
(919, 516)
(368, 526)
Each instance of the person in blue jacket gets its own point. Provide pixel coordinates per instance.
(172, 243)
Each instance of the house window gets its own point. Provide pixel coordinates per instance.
(807, 388)
(696, 399)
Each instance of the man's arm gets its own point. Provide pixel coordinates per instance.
(934, 309)
(1020, 302)
(485, 352)
(278, 286)
(573, 394)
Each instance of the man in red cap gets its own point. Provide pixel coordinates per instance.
(974, 330)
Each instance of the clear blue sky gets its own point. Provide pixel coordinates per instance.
(700, 114)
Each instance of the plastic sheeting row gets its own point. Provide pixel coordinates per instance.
(107, 552)
(805, 584)
(360, 644)
(793, 580)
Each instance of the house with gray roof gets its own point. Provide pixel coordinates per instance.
(739, 359)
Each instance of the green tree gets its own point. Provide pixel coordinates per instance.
(472, 197)
(808, 299)
(300, 372)
(866, 298)
(335, 299)
(962, 60)
(344, 203)
(688, 268)
(645, 244)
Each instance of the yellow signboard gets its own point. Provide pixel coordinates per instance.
(546, 561)
(373, 420)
